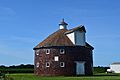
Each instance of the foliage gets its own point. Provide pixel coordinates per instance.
(100, 69)
(17, 69)
(30, 69)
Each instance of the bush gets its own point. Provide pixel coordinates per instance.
(100, 69)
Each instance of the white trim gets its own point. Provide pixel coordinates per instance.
(71, 36)
(37, 64)
(37, 52)
(63, 27)
(47, 64)
(47, 51)
(62, 64)
(56, 58)
(80, 67)
(62, 51)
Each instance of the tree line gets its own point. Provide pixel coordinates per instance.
(29, 68)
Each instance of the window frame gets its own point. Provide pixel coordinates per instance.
(47, 51)
(37, 64)
(56, 58)
(47, 64)
(62, 64)
(37, 52)
(62, 51)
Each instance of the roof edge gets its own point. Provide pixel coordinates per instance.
(80, 28)
(87, 46)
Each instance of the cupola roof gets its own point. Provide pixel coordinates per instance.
(63, 22)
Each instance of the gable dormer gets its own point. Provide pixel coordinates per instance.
(77, 35)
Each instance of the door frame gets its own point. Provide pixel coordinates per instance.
(79, 62)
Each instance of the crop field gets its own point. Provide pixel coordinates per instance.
(94, 77)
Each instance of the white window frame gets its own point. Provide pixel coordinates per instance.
(37, 64)
(62, 64)
(47, 64)
(62, 51)
(47, 51)
(56, 58)
(37, 52)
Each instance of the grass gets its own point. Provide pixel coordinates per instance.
(94, 77)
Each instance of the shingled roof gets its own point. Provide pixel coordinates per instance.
(58, 38)
(80, 28)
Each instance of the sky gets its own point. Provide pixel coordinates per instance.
(25, 23)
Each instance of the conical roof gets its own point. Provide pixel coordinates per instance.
(63, 22)
(58, 38)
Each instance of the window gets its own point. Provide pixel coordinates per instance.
(56, 58)
(47, 64)
(47, 51)
(62, 64)
(62, 51)
(37, 52)
(37, 64)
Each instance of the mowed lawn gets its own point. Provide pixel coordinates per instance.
(95, 77)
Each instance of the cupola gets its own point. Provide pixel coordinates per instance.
(63, 25)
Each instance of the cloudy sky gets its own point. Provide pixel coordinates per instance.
(25, 23)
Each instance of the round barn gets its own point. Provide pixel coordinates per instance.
(64, 53)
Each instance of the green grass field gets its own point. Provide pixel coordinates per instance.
(95, 77)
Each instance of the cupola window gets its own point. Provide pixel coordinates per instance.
(63, 24)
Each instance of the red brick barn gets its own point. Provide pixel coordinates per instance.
(64, 53)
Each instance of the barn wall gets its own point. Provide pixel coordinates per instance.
(71, 55)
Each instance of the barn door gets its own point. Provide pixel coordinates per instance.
(80, 68)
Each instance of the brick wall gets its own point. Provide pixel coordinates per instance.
(72, 54)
